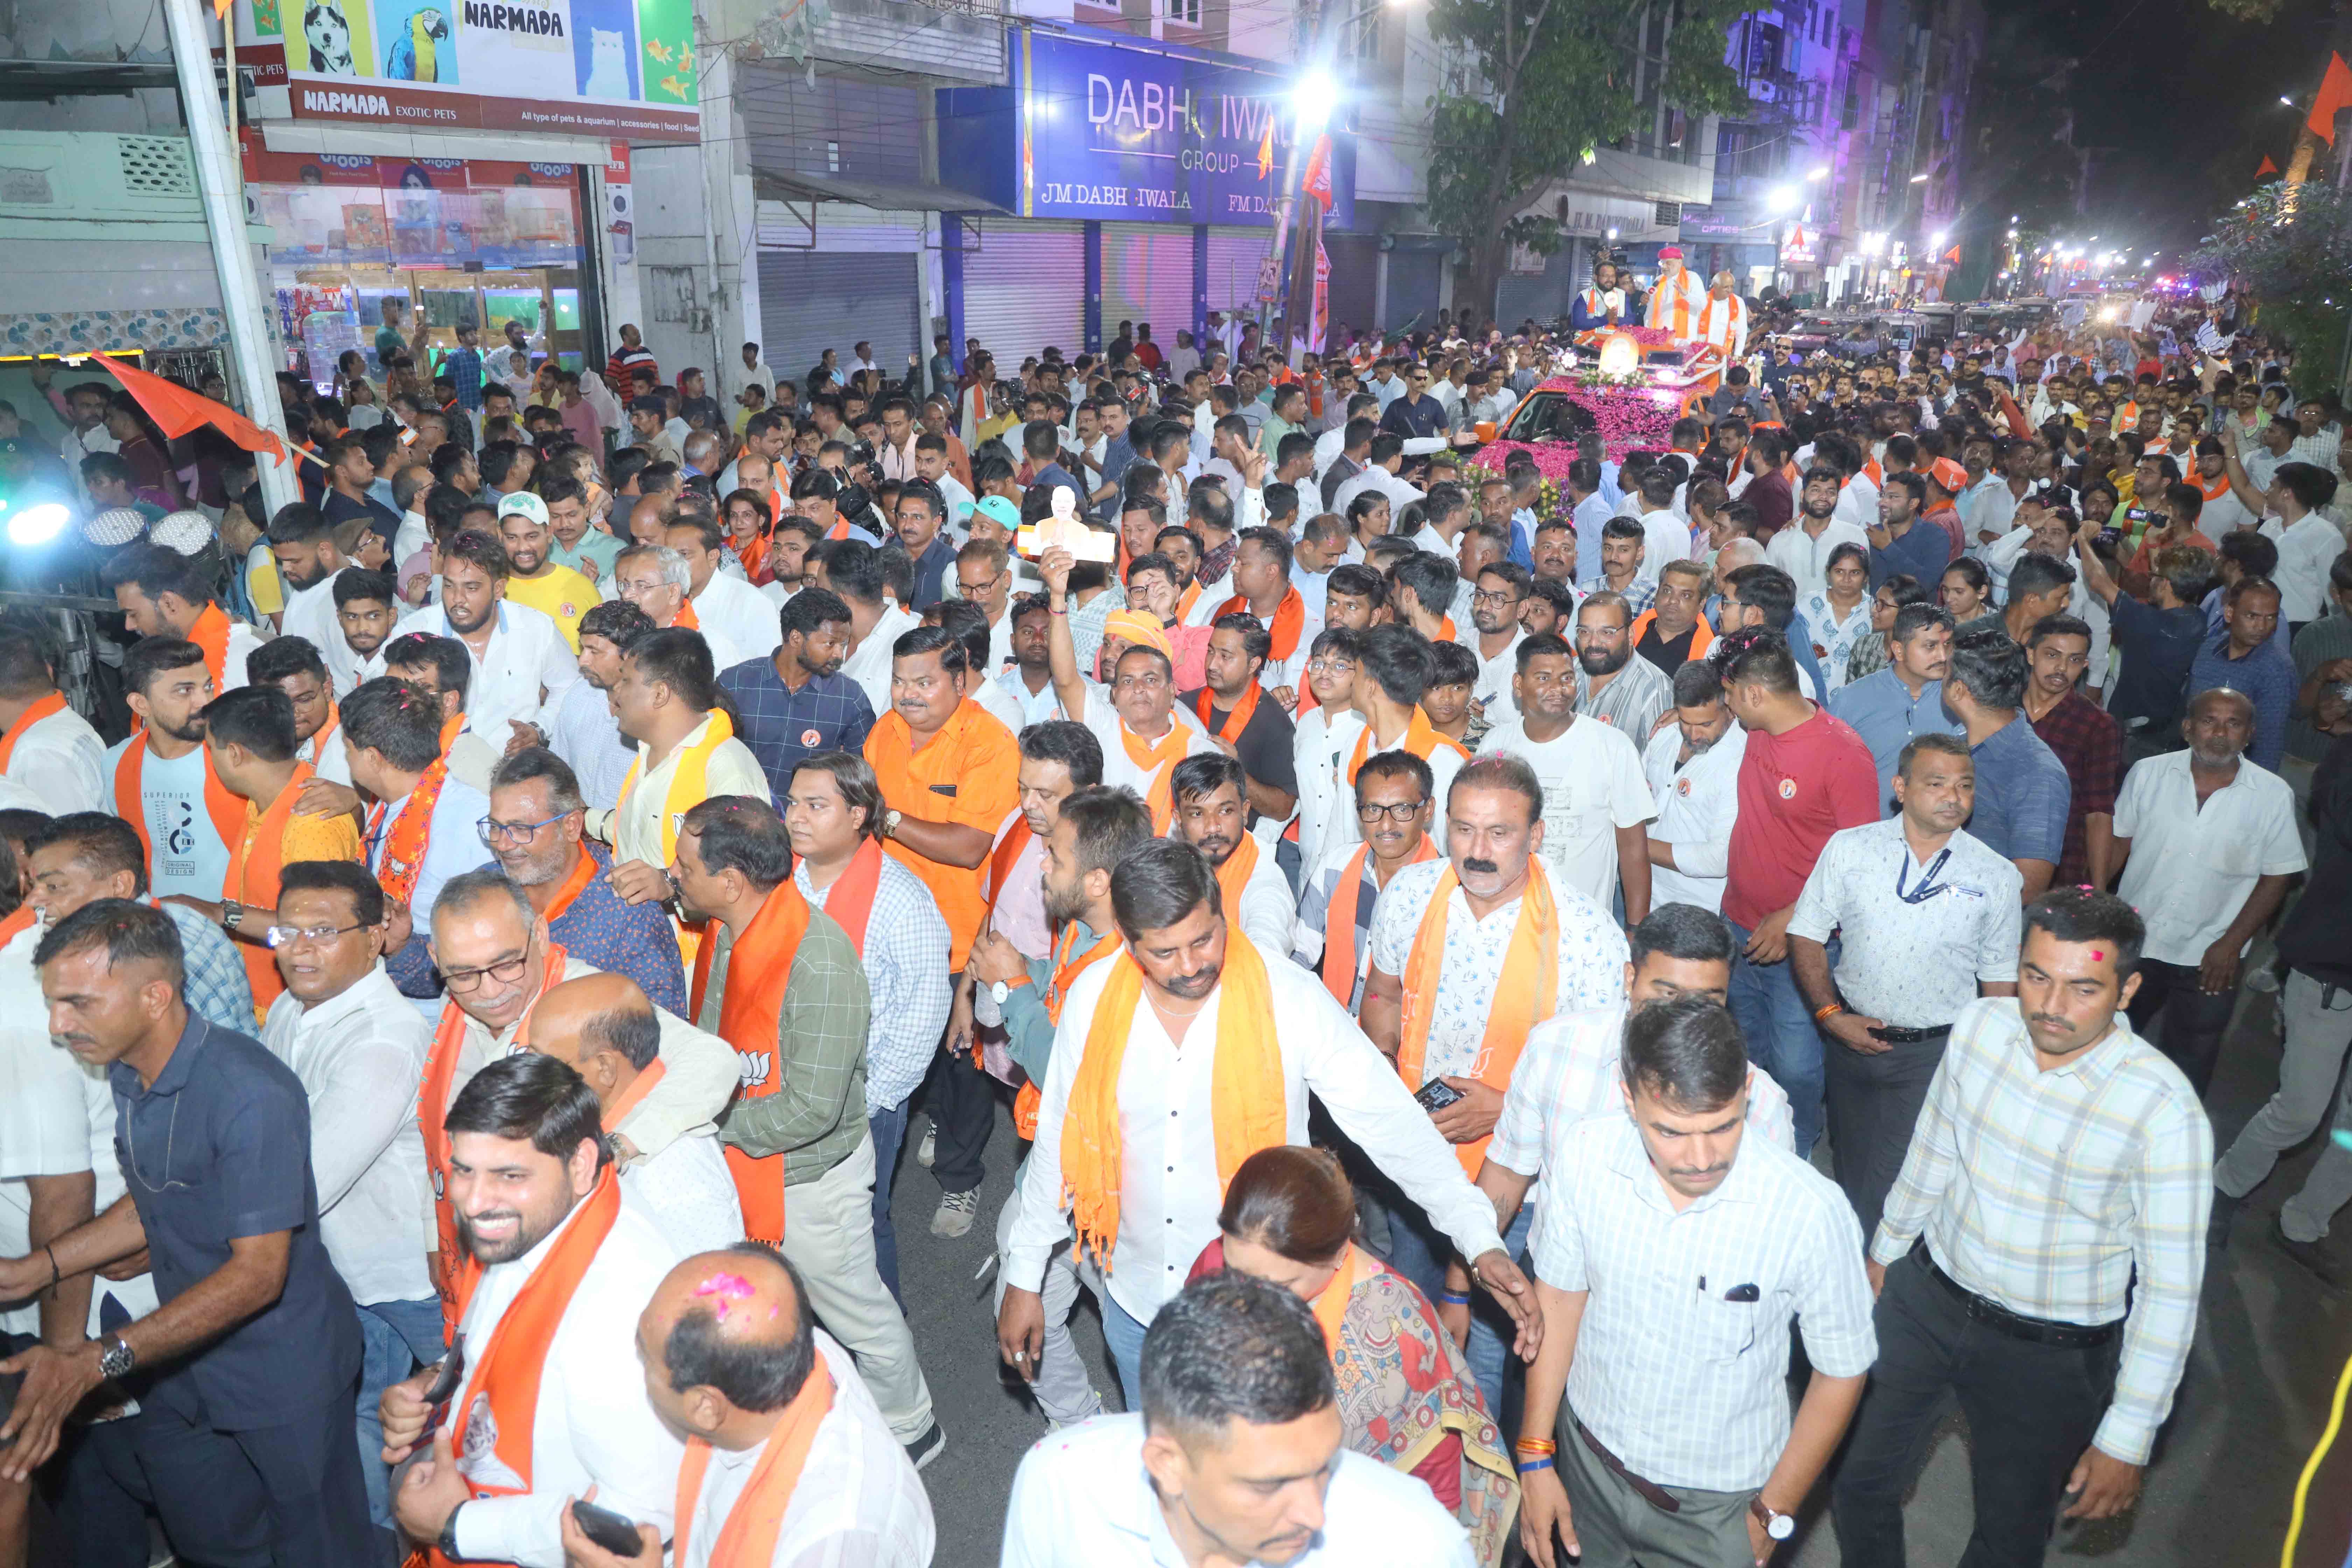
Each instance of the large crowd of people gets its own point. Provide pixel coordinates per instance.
(1559, 1000)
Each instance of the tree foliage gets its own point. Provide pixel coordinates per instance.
(1541, 83)
(2291, 249)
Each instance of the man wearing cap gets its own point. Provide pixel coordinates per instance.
(1677, 300)
(533, 577)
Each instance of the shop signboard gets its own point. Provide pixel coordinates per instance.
(1091, 127)
(342, 209)
(601, 67)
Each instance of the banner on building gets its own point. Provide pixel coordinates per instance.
(601, 67)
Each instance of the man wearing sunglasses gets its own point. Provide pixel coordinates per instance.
(1416, 413)
(1929, 915)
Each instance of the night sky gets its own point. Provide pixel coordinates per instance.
(2186, 98)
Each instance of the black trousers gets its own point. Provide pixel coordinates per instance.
(2193, 1022)
(288, 1496)
(1874, 1101)
(962, 1101)
(2032, 1409)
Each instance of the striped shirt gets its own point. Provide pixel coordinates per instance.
(2046, 1191)
(1682, 1359)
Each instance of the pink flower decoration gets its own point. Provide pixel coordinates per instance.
(1628, 419)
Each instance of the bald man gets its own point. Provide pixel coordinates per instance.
(603, 1026)
(650, 517)
(704, 453)
(732, 1365)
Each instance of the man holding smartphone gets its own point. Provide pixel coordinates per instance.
(1929, 917)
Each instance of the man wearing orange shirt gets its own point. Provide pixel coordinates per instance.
(949, 777)
(249, 735)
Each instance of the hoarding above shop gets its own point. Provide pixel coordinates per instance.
(601, 67)
(1093, 128)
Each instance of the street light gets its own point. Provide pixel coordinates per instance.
(2285, 100)
(1940, 240)
(1315, 95)
(1782, 198)
(1821, 173)
(1918, 179)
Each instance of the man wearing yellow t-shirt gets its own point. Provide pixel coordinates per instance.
(533, 578)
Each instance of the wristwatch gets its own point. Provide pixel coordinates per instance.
(117, 1359)
(998, 990)
(448, 1544)
(1777, 1525)
(890, 820)
(232, 913)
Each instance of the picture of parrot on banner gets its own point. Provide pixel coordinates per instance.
(1064, 531)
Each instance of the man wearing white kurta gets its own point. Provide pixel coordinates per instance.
(521, 673)
(55, 756)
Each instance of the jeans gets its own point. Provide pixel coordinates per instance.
(2319, 1019)
(396, 1339)
(1874, 1098)
(1781, 1037)
(2031, 1408)
(889, 1130)
(962, 1100)
(1420, 1253)
(2193, 1021)
(1123, 1337)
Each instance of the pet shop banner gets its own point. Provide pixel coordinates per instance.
(603, 67)
(342, 209)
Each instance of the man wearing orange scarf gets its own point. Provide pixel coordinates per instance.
(46, 748)
(1211, 815)
(787, 1459)
(1144, 734)
(1469, 953)
(249, 735)
(780, 980)
(555, 1272)
(1196, 1051)
(160, 779)
(1392, 674)
(1243, 718)
(163, 594)
(1393, 806)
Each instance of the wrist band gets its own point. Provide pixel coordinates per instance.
(1823, 1015)
(1535, 1445)
(56, 1274)
(1529, 1466)
(1452, 1299)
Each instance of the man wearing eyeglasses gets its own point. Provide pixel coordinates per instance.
(1394, 800)
(350, 1036)
(1930, 916)
(536, 831)
(983, 575)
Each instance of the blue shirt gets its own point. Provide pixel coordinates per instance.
(1118, 454)
(828, 713)
(930, 566)
(2022, 794)
(2216, 608)
(216, 1150)
(621, 938)
(1882, 711)
(1411, 416)
(2159, 646)
(1591, 516)
(1924, 553)
(2265, 675)
(1800, 635)
(464, 367)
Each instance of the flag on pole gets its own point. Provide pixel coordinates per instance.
(2335, 94)
(1265, 152)
(176, 410)
(1318, 183)
(2268, 169)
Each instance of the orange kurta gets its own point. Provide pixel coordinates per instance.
(968, 774)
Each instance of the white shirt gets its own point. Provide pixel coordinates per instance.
(1986, 507)
(594, 1425)
(1000, 704)
(523, 670)
(1379, 480)
(1686, 1386)
(360, 1055)
(1268, 905)
(869, 663)
(1667, 538)
(1591, 955)
(1806, 559)
(1169, 1191)
(2191, 871)
(186, 853)
(1920, 936)
(1121, 771)
(1857, 503)
(1698, 801)
(688, 1191)
(59, 758)
(634, 828)
(858, 1503)
(1082, 1499)
(1593, 786)
(1320, 745)
(2306, 551)
(735, 610)
(1493, 691)
(45, 1128)
(309, 615)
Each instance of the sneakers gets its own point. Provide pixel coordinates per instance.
(927, 1446)
(2217, 1227)
(957, 1211)
(2311, 1255)
(929, 1149)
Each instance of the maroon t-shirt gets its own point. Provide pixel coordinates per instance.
(1795, 790)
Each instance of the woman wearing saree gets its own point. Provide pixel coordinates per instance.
(1407, 1398)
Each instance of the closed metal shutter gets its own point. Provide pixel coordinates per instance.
(1147, 270)
(811, 302)
(1024, 290)
(1516, 299)
(1234, 256)
(1355, 279)
(1413, 277)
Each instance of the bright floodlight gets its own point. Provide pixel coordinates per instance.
(1918, 179)
(1315, 95)
(2285, 100)
(38, 524)
(1940, 240)
(1821, 173)
(1783, 199)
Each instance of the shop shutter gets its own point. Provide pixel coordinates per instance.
(1518, 297)
(811, 302)
(1355, 276)
(1023, 289)
(1413, 278)
(1234, 256)
(1148, 277)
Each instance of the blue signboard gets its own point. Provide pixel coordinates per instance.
(1093, 128)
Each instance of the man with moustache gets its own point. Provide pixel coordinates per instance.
(580, 727)
(1891, 708)
(367, 606)
(1613, 686)
(1211, 815)
(1595, 796)
(1393, 802)
(796, 703)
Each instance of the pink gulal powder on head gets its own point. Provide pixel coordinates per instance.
(731, 1289)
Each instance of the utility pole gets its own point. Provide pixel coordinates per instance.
(240, 282)
(1292, 168)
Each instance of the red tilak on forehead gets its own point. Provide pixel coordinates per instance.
(2096, 956)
